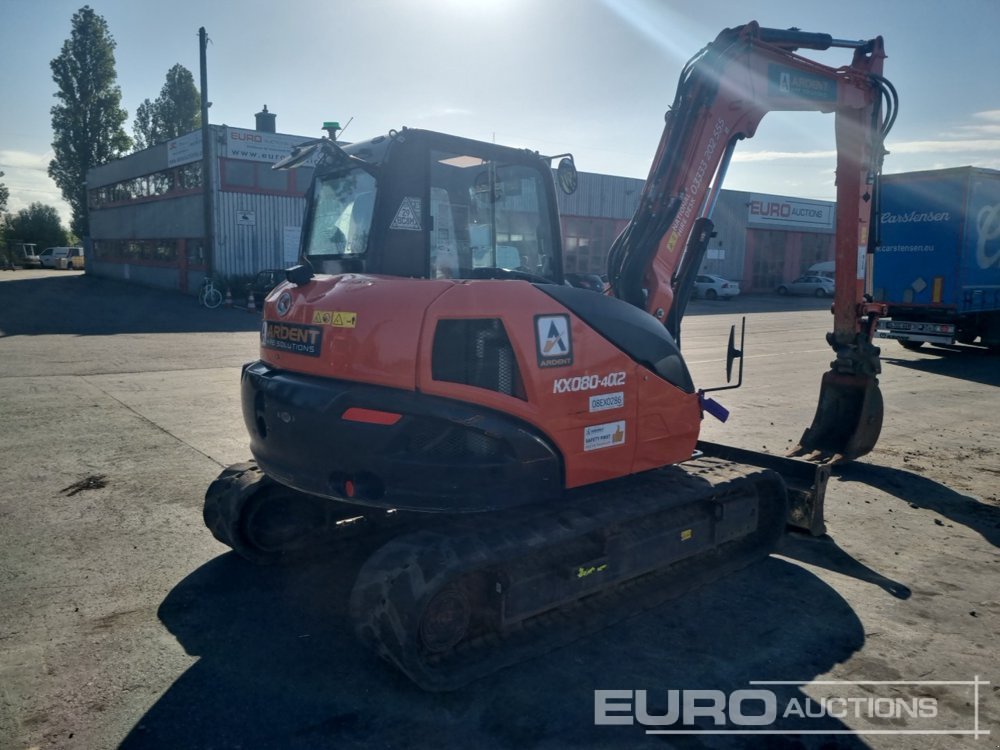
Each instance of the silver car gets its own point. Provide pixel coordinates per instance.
(715, 287)
(816, 286)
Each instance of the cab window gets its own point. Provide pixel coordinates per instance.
(487, 215)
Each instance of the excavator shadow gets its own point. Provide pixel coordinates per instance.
(279, 666)
(921, 492)
(824, 552)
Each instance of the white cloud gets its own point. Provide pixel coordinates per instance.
(949, 146)
(25, 160)
(26, 177)
(775, 155)
(945, 146)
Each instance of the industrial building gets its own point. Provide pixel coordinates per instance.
(148, 209)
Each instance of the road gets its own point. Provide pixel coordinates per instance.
(125, 624)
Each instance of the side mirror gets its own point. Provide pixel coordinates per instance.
(566, 175)
(732, 353)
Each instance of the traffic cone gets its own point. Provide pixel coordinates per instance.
(229, 298)
(251, 306)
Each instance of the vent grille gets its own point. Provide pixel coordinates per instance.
(476, 352)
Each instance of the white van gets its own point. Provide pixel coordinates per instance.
(825, 269)
(52, 257)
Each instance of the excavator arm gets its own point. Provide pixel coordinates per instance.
(723, 93)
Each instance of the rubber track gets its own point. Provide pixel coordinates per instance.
(224, 502)
(232, 496)
(400, 578)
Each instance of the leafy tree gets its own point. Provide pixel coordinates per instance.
(87, 123)
(4, 195)
(177, 110)
(142, 126)
(37, 223)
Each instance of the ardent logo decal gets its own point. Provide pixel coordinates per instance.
(554, 340)
(292, 338)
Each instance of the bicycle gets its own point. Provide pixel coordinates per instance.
(208, 295)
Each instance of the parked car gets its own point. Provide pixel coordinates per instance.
(51, 256)
(263, 283)
(715, 287)
(818, 286)
(73, 260)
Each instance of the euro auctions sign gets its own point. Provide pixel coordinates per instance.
(790, 213)
(254, 145)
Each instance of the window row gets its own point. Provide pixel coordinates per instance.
(156, 251)
(173, 181)
(239, 175)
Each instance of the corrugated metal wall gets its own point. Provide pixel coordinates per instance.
(242, 247)
(601, 196)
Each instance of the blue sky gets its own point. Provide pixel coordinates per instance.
(589, 76)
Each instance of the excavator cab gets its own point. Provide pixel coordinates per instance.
(421, 204)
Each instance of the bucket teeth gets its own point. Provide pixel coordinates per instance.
(848, 419)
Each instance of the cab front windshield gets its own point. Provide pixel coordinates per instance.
(341, 215)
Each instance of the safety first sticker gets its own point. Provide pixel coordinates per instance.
(335, 318)
(598, 436)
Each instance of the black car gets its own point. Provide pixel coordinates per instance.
(263, 283)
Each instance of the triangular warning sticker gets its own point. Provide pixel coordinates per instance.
(408, 215)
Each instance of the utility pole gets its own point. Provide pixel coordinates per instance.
(206, 158)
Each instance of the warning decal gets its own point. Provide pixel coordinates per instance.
(408, 215)
(335, 318)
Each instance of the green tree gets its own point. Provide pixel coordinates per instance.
(87, 123)
(176, 111)
(142, 127)
(4, 195)
(37, 223)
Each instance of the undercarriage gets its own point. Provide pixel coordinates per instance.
(450, 598)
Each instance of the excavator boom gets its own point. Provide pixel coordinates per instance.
(724, 92)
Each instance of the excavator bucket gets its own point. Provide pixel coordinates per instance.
(848, 419)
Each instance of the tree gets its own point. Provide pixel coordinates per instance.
(4, 195)
(37, 223)
(142, 127)
(176, 111)
(87, 123)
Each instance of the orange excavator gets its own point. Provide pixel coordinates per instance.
(523, 455)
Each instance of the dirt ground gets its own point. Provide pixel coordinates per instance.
(123, 623)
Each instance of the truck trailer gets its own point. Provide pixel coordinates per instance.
(937, 261)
